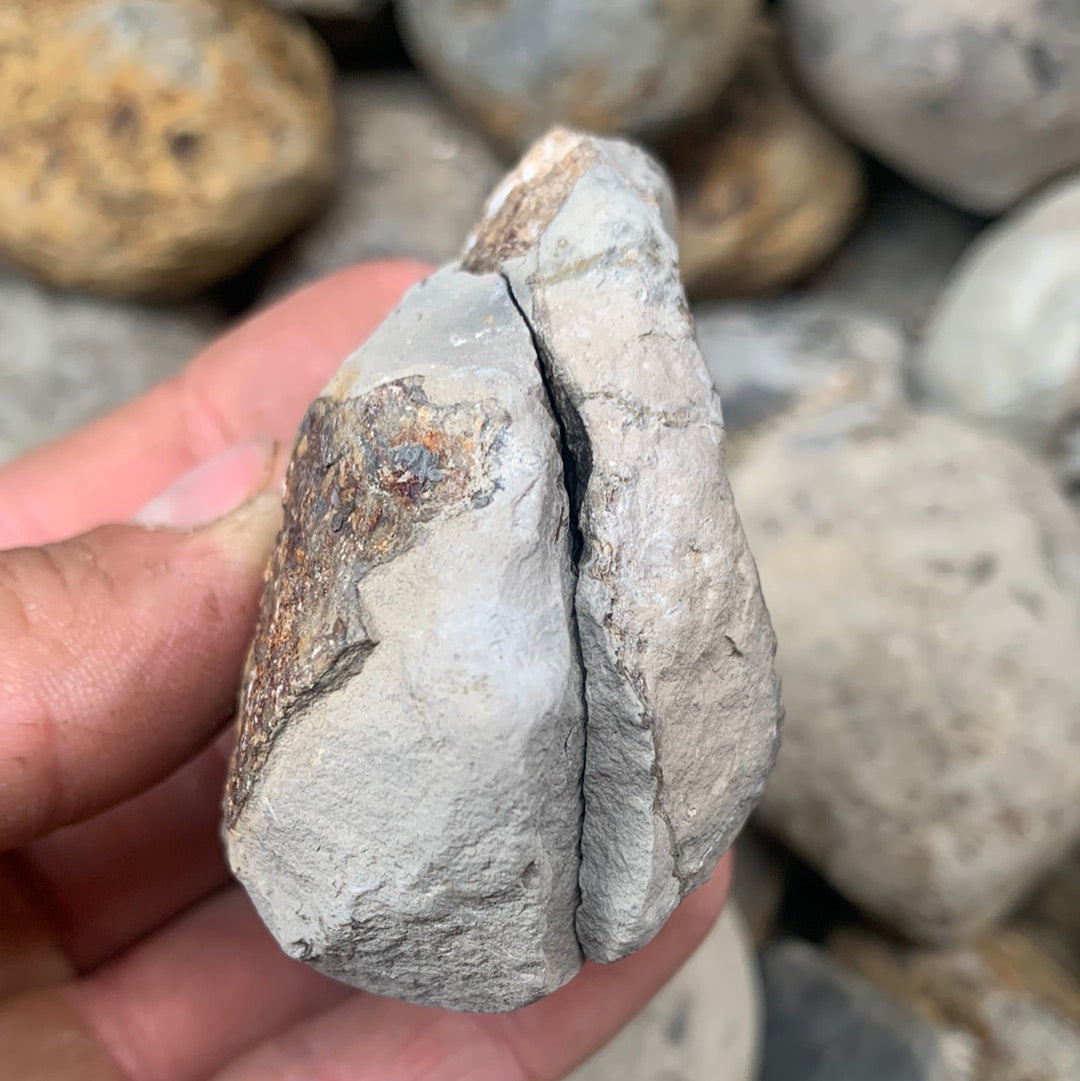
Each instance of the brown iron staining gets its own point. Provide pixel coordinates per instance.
(366, 475)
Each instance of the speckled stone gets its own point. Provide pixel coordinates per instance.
(977, 100)
(150, 147)
(520, 66)
(765, 191)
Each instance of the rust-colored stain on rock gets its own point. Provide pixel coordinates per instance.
(367, 473)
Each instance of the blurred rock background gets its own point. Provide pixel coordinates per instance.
(880, 227)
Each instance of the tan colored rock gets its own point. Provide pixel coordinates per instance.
(765, 191)
(150, 148)
(1020, 1011)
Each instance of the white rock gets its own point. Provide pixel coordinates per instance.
(405, 805)
(1003, 347)
(924, 580)
(705, 1025)
(978, 100)
(682, 701)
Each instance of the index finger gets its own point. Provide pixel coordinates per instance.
(256, 380)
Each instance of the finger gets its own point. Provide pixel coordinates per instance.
(257, 380)
(377, 1039)
(106, 883)
(120, 654)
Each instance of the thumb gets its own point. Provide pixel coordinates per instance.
(120, 650)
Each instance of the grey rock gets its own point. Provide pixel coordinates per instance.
(682, 701)
(897, 261)
(924, 581)
(977, 101)
(519, 66)
(822, 1023)
(414, 178)
(1003, 347)
(705, 1025)
(770, 358)
(405, 804)
(66, 359)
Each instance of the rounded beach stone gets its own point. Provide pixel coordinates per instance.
(520, 66)
(924, 581)
(1003, 347)
(150, 147)
(977, 100)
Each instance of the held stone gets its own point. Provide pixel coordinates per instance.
(683, 705)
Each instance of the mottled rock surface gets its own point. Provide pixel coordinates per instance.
(67, 359)
(519, 66)
(765, 191)
(705, 1025)
(924, 581)
(414, 178)
(1003, 347)
(896, 262)
(771, 358)
(822, 1023)
(405, 805)
(976, 100)
(1018, 1010)
(682, 701)
(150, 148)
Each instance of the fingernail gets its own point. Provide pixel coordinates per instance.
(214, 488)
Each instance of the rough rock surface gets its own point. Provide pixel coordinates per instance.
(705, 1025)
(153, 147)
(66, 359)
(405, 803)
(1003, 347)
(682, 701)
(822, 1023)
(765, 191)
(520, 66)
(414, 178)
(978, 100)
(924, 581)
(900, 255)
(771, 358)
(1019, 1011)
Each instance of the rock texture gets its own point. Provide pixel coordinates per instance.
(977, 101)
(765, 191)
(1003, 347)
(896, 262)
(705, 1024)
(825, 1024)
(414, 178)
(771, 358)
(682, 702)
(519, 66)
(1017, 1009)
(66, 359)
(153, 147)
(924, 581)
(405, 805)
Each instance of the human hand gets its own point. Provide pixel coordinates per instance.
(126, 952)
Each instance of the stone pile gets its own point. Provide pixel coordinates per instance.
(900, 385)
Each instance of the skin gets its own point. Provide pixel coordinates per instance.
(126, 952)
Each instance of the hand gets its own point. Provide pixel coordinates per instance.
(126, 952)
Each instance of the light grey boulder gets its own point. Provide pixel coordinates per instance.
(770, 358)
(520, 66)
(414, 177)
(683, 704)
(705, 1025)
(924, 581)
(978, 101)
(1003, 347)
(405, 804)
(65, 359)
